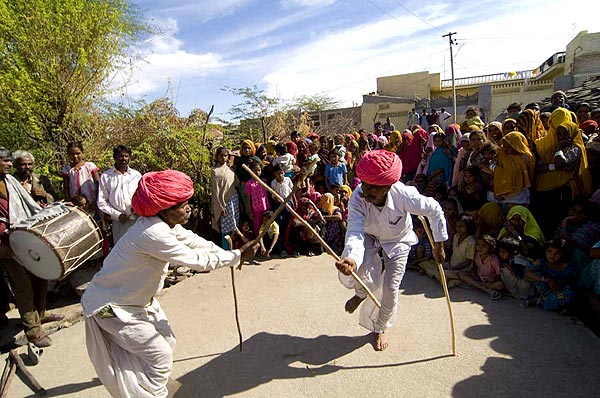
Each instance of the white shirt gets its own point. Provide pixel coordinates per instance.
(287, 162)
(135, 269)
(390, 225)
(283, 189)
(443, 122)
(116, 190)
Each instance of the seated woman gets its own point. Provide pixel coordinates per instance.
(521, 226)
(333, 231)
(553, 277)
(298, 239)
(562, 171)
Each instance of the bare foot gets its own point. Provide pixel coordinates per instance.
(381, 342)
(353, 303)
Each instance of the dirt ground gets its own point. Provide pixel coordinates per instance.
(299, 342)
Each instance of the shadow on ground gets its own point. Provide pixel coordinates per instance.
(530, 361)
(268, 357)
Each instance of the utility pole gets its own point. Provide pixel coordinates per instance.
(449, 36)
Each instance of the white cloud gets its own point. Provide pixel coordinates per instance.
(165, 60)
(346, 63)
(306, 3)
(203, 11)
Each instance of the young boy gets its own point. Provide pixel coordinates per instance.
(335, 171)
(514, 266)
(283, 186)
(270, 240)
(243, 235)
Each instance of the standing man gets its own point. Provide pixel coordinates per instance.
(128, 336)
(115, 191)
(379, 218)
(388, 125)
(30, 291)
(413, 119)
(444, 116)
(38, 186)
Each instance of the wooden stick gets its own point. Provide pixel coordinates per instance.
(444, 285)
(7, 376)
(328, 249)
(235, 301)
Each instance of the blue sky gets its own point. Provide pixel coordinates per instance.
(291, 48)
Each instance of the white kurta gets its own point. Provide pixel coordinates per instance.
(115, 191)
(128, 336)
(388, 227)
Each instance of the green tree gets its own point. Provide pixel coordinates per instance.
(315, 103)
(55, 60)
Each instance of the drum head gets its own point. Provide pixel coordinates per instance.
(35, 254)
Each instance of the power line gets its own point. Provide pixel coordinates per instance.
(415, 15)
(396, 18)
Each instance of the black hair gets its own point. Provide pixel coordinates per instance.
(281, 149)
(377, 124)
(515, 105)
(278, 167)
(489, 147)
(335, 151)
(474, 170)
(532, 105)
(75, 144)
(78, 199)
(562, 245)
(268, 214)
(509, 244)
(335, 185)
(488, 240)
(469, 223)
(583, 104)
(120, 148)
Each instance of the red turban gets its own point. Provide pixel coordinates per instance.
(379, 167)
(589, 123)
(159, 190)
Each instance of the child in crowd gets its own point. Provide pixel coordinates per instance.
(441, 159)
(80, 176)
(489, 151)
(581, 229)
(422, 250)
(462, 157)
(258, 201)
(243, 235)
(81, 201)
(338, 144)
(471, 191)
(335, 171)
(285, 159)
(333, 231)
(514, 266)
(463, 244)
(270, 240)
(485, 275)
(452, 208)
(553, 277)
(283, 186)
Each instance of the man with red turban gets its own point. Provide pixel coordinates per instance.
(128, 336)
(379, 218)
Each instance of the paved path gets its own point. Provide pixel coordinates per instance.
(300, 343)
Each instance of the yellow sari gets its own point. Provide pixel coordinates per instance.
(513, 173)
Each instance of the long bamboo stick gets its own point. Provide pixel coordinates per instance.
(444, 285)
(328, 249)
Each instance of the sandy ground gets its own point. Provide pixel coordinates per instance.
(298, 342)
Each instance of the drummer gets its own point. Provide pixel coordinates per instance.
(128, 336)
(30, 291)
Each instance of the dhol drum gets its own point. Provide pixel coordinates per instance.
(55, 241)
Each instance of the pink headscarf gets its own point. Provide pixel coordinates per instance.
(379, 167)
(159, 190)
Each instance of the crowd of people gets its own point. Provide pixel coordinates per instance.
(520, 203)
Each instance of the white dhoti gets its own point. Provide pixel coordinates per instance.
(132, 352)
(385, 285)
